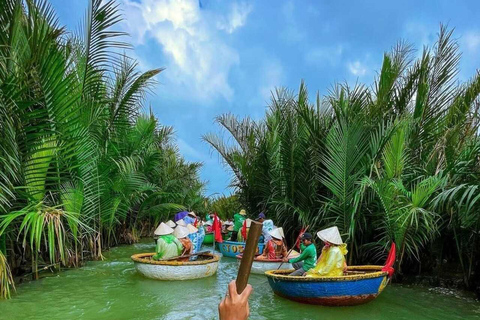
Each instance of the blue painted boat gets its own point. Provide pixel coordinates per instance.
(359, 285)
(232, 248)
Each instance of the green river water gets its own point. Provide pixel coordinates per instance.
(111, 289)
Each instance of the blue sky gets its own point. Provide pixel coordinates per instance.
(227, 56)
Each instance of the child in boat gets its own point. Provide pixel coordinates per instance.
(168, 245)
(306, 260)
(181, 233)
(275, 247)
(331, 262)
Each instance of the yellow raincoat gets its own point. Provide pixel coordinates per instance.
(330, 263)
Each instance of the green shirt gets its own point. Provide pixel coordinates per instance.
(308, 256)
(238, 221)
(168, 246)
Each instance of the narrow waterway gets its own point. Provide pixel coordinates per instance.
(112, 289)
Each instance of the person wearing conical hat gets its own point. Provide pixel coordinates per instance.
(168, 245)
(182, 223)
(190, 218)
(331, 262)
(275, 247)
(171, 224)
(267, 226)
(181, 233)
(193, 235)
(238, 219)
(209, 226)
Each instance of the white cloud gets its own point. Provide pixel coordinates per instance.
(236, 18)
(324, 55)
(357, 68)
(472, 41)
(198, 59)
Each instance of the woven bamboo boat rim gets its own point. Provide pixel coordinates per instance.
(141, 258)
(283, 275)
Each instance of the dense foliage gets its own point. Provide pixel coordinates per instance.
(81, 168)
(398, 161)
(224, 206)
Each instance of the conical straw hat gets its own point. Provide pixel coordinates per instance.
(230, 228)
(243, 212)
(163, 229)
(281, 232)
(331, 235)
(191, 229)
(209, 223)
(181, 232)
(276, 233)
(181, 223)
(171, 224)
(191, 213)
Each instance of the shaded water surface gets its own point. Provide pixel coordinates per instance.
(112, 289)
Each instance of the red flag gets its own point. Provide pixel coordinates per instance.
(195, 223)
(244, 230)
(297, 242)
(217, 229)
(390, 260)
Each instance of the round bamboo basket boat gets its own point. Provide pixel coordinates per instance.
(359, 285)
(206, 265)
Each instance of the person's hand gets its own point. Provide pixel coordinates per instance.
(285, 259)
(235, 306)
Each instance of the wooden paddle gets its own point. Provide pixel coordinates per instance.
(291, 249)
(248, 255)
(185, 256)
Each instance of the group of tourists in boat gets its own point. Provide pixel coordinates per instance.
(299, 276)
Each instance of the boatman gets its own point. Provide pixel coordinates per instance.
(275, 247)
(168, 245)
(238, 219)
(332, 261)
(306, 260)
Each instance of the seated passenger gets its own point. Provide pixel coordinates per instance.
(275, 247)
(194, 237)
(190, 218)
(181, 233)
(167, 245)
(267, 226)
(171, 224)
(332, 261)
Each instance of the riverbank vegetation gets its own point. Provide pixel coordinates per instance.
(81, 166)
(395, 161)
